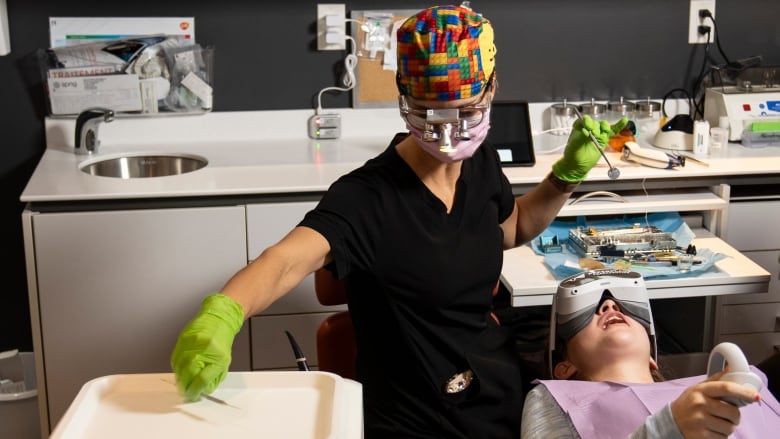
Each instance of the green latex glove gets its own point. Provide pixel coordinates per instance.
(201, 357)
(580, 156)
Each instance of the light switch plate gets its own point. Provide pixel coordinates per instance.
(5, 34)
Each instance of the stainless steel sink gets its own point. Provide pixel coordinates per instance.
(144, 165)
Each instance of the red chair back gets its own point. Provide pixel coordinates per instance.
(336, 350)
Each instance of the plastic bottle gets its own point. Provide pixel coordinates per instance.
(701, 137)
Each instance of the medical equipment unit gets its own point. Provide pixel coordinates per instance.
(751, 103)
(578, 297)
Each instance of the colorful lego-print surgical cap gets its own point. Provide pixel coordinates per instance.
(445, 53)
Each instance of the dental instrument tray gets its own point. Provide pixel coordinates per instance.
(619, 242)
(258, 404)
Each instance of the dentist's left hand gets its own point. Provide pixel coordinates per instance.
(581, 154)
(202, 354)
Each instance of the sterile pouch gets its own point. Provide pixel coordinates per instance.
(191, 69)
(650, 157)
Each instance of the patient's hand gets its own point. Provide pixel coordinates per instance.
(700, 413)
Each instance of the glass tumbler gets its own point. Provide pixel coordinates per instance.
(648, 119)
(685, 262)
(616, 110)
(596, 110)
(562, 117)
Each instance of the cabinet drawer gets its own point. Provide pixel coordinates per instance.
(755, 317)
(270, 346)
(756, 347)
(752, 225)
(114, 288)
(267, 223)
(768, 260)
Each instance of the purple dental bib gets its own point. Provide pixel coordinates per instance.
(615, 410)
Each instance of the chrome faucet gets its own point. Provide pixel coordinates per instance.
(87, 124)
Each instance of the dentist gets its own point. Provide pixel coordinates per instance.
(417, 234)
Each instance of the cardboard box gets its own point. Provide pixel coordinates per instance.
(74, 94)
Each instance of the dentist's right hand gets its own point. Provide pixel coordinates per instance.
(202, 354)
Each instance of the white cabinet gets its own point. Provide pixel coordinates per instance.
(110, 290)
(299, 311)
(753, 320)
(268, 223)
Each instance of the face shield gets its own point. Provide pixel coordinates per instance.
(579, 296)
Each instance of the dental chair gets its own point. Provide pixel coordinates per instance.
(335, 337)
(336, 351)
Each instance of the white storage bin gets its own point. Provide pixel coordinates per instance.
(18, 396)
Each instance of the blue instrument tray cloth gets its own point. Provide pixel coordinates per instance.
(566, 263)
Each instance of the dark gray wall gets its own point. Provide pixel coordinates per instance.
(265, 60)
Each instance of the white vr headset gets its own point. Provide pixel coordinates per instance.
(579, 296)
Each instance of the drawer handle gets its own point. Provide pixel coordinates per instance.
(614, 196)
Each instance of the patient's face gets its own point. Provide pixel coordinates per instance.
(610, 336)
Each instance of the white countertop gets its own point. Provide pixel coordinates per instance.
(248, 153)
(268, 152)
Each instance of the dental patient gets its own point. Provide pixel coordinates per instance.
(604, 361)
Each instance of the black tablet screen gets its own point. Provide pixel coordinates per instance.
(510, 133)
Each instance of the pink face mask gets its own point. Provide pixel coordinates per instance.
(454, 149)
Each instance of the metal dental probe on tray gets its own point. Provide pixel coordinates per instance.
(613, 172)
(207, 397)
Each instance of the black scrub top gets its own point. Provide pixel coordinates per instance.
(419, 288)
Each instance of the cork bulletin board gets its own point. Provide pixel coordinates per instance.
(374, 86)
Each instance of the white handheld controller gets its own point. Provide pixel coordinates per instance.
(731, 354)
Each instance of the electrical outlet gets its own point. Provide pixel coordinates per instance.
(331, 33)
(694, 37)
